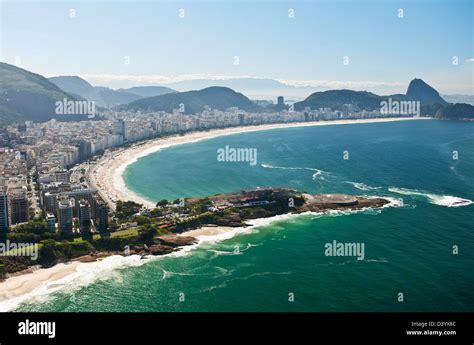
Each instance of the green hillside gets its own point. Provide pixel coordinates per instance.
(215, 97)
(335, 99)
(28, 96)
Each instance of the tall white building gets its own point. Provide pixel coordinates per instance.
(65, 209)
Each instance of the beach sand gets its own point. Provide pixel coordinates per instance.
(26, 283)
(106, 175)
(208, 231)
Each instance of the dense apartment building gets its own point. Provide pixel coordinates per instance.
(81, 194)
(65, 216)
(18, 207)
(51, 221)
(85, 223)
(101, 214)
(4, 221)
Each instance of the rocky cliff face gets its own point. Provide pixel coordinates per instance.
(418, 90)
(173, 240)
(327, 202)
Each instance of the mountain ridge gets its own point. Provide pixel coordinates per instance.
(148, 91)
(102, 95)
(25, 95)
(417, 90)
(216, 97)
(29, 96)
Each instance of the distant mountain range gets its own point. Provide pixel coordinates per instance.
(104, 96)
(222, 98)
(28, 96)
(254, 88)
(469, 99)
(148, 91)
(215, 97)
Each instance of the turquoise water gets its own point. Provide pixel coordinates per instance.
(408, 248)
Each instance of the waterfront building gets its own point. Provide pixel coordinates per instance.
(65, 212)
(84, 217)
(101, 216)
(81, 194)
(280, 101)
(124, 130)
(51, 221)
(85, 149)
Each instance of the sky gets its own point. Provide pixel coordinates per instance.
(368, 44)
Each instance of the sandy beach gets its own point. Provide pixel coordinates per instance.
(41, 281)
(207, 231)
(23, 284)
(106, 175)
(64, 276)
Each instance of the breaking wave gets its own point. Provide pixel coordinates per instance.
(318, 175)
(435, 199)
(88, 273)
(362, 186)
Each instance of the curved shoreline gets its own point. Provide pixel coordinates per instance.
(42, 282)
(109, 168)
(107, 174)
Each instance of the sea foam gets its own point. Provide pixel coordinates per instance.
(362, 186)
(435, 199)
(318, 175)
(88, 273)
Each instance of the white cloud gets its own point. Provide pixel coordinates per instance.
(155, 78)
(337, 84)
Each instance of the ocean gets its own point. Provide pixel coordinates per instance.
(419, 252)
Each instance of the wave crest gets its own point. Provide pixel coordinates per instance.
(362, 186)
(318, 175)
(435, 199)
